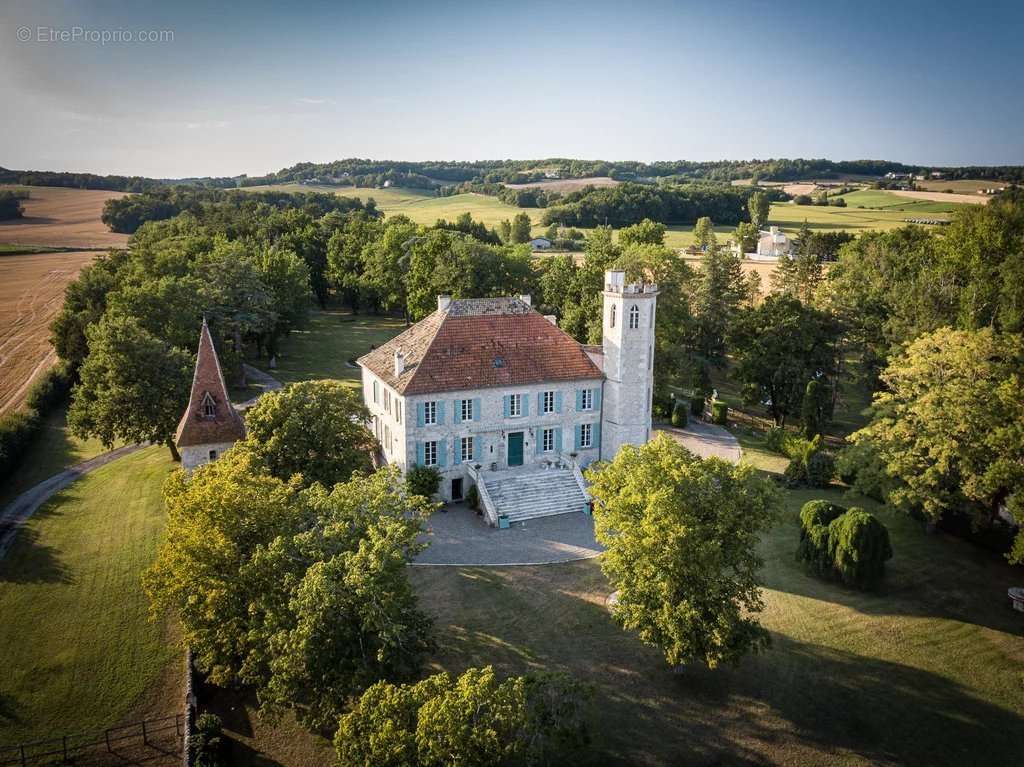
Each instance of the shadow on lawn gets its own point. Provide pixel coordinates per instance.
(30, 561)
(797, 702)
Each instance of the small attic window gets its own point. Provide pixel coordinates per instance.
(208, 408)
(499, 362)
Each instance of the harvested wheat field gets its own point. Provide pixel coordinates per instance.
(61, 217)
(566, 185)
(975, 199)
(31, 293)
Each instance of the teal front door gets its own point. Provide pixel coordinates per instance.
(515, 448)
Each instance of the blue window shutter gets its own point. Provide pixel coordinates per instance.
(476, 448)
(579, 400)
(526, 404)
(595, 437)
(558, 440)
(540, 402)
(440, 412)
(558, 402)
(539, 447)
(456, 451)
(507, 400)
(419, 414)
(476, 408)
(419, 452)
(456, 411)
(576, 440)
(442, 448)
(597, 398)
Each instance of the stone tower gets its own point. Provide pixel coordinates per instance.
(210, 424)
(628, 347)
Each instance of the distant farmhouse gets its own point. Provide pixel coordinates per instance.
(496, 396)
(771, 245)
(540, 243)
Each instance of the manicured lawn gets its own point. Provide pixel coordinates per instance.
(78, 650)
(54, 450)
(325, 348)
(928, 671)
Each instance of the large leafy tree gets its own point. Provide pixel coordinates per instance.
(949, 426)
(315, 429)
(801, 275)
(720, 291)
(302, 594)
(681, 535)
(133, 386)
(779, 347)
(759, 207)
(475, 720)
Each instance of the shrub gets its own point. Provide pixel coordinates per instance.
(679, 414)
(809, 464)
(859, 548)
(423, 480)
(860, 467)
(697, 405)
(777, 440)
(17, 430)
(815, 517)
(816, 408)
(50, 390)
(208, 743)
(473, 498)
(820, 469)
(719, 412)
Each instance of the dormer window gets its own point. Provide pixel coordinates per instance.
(208, 408)
(634, 317)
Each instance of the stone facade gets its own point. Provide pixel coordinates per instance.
(197, 455)
(429, 428)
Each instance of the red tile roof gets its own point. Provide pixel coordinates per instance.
(226, 425)
(478, 343)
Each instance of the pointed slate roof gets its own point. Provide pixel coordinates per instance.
(477, 343)
(225, 425)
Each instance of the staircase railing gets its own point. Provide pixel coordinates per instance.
(490, 509)
(578, 476)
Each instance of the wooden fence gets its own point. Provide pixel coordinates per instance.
(146, 741)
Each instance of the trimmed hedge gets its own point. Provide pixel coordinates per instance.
(719, 412)
(19, 429)
(815, 517)
(697, 406)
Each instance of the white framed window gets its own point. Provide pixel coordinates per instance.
(466, 410)
(548, 402)
(515, 405)
(387, 400)
(611, 322)
(586, 435)
(587, 399)
(398, 410)
(430, 416)
(548, 437)
(466, 449)
(430, 453)
(376, 393)
(387, 438)
(634, 317)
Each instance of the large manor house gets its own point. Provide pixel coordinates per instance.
(492, 394)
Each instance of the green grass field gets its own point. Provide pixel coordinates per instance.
(53, 450)
(79, 652)
(926, 672)
(882, 200)
(333, 338)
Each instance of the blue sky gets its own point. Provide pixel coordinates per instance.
(251, 88)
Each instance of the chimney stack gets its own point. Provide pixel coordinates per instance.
(399, 363)
(443, 302)
(552, 319)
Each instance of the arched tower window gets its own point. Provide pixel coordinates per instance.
(611, 322)
(634, 317)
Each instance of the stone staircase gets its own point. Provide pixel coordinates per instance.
(532, 494)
